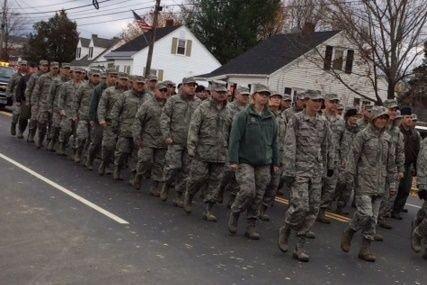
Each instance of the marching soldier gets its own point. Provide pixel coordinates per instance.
(10, 92)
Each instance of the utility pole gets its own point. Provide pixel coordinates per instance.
(3, 31)
(157, 9)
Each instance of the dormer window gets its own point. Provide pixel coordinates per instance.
(78, 53)
(181, 46)
(90, 52)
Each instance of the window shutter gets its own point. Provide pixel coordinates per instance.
(160, 74)
(328, 58)
(144, 71)
(188, 49)
(349, 61)
(174, 45)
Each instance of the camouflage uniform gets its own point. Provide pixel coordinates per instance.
(372, 163)
(53, 99)
(207, 146)
(81, 106)
(32, 126)
(65, 103)
(122, 118)
(10, 92)
(307, 142)
(39, 100)
(174, 123)
(109, 138)
(146, 129)
(419, 224)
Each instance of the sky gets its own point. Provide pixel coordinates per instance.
(109, 21)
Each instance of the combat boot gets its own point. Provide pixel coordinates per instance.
(322, 217)
(284, 233)
(89, 160)
(116, 172)
(385, 225)
(31, 135)
(164, 192)
(39, 144)
(233, 221)
(136, 182)
(51, 145)
(61, 149)
(101, 168)
(251, 231)
(378, 237)
(262, 215)
(310, 235)
(178, 201)
(188, 200)
(13, 129)
(207, 215)
(365, 251)
(346, 238)
(416, 239)
(299, 253)
(155, 190)
(78, 154)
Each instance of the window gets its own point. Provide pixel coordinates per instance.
(349, 61)
(181, 46)
(110, 65)
(338, 59)
(78, 53)
(356, 102)
(90, 52)
(328, 58)
(288, 90)
(126, 69)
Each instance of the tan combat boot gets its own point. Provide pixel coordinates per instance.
(262, 213)
(284, 233)
(207, 215)
(299, 253)
(365, 251)
(251, 232)
(346, 238)
(233, 221)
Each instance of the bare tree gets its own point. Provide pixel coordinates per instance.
(14, 27)
(297, 13)
(387, 33)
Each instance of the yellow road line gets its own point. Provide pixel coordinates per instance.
(5, 114)
(330, 215)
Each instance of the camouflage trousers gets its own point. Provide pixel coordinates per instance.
(328, 190)
(271, 190)
(205, 173)
(421, 223)
(151, 162)
(108, 144)
(386, 203)
(83, 134)
(229, 182)
(124, 149)
(177, 167)
(95, 140)
(304, 203)
(345, 186)
(33, 118)
(43, 123)
(366, 216)
(252, 182)
(66, 130)
(16, 112)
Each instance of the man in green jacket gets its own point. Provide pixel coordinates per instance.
(253, 151)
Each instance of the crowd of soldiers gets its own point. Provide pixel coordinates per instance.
(250, 145)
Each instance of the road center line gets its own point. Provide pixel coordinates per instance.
(66, 191)
(412, 205)
(6, 114)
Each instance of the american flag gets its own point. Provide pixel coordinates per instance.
(141, 22)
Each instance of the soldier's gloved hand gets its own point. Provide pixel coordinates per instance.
(289, 179)
(422, 194)
(330, 172)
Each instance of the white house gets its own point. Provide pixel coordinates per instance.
(177, 54)
(89, 52)
(294, 62)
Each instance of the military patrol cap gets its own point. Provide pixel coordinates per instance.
(350, 112)
(391, 103)
(406, 111)
(189, 80)
(112, 71)
(22, 62)
(161, 85)
(332, 97)
(287, 97)
(414, 117)
(169, 83)
(378, 111)
(276, 93)
(43, 62)
(243, 90)
(54, 64)
(138, 78)
(218, 86)
(123, 75)
(94, 71)
(65, 65)
(398, 115)
(260, 88)
(152, 78)
(368, 107)
(313, 94)
(78, 69)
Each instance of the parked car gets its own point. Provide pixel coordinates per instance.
(5, 75)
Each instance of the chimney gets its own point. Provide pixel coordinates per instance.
(308, 28)
(169, 23)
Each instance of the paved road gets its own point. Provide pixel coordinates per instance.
(49, 237)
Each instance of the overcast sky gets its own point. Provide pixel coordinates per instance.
(108, 21)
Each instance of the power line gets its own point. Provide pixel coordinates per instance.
(65, 9)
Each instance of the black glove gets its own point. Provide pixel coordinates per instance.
(422, 194)
(289, 179)
(330, 172)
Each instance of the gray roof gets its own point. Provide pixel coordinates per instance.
(81, 62)
(272, 54)
(104, 43)
(120, 54)
(85, 42)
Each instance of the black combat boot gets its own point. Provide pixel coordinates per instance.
(208, 215)
(283, 241)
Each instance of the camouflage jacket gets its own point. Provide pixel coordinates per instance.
(346, 143)
(290, 112)
(53, 97)
(398, 145)
(362, 124)
(40, 94)
(66, 97)
(372, 162)
(207, 134)
(108, 98)
(94, 100)
(422, 166)
(281, 131)
(81, 102)
(30, 86)
(307, 146)
(337, 126)
(124, 111)
(146, 126)
(11, 85)
(175, 118)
